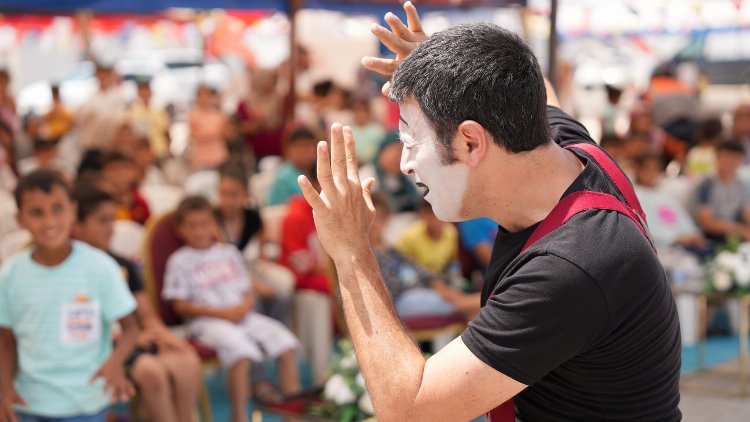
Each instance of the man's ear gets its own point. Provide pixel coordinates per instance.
(471, 142)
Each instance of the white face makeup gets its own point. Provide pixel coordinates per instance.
(444, 186)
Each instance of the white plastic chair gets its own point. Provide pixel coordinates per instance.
(204, 183)
(260, 183)
(397, 225)
(127, 240)
(272, 218)
(161, 198)
(8, 212)
(13, 242)
(682, 188)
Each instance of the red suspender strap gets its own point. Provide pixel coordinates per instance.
(568, 207)
(615, 174)
(575, 203)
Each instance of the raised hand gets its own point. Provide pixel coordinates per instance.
(343, 209)
(401, 39)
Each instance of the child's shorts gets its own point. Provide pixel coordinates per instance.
(151, 349)
(257, 337)
(97, 417)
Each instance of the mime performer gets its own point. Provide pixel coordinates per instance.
(577, 321)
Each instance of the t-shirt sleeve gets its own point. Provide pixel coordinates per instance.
(131, 274)
(565, 129)
(476, 232)
(134, 278)
(176, 279)
(545, 314)
(117, 301)
(703, 193)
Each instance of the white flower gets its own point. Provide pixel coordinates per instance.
(349, 361)
(727, 260)
(742, 275)
(337, 390)
(365, 404)
(360, 380)
(722, 281)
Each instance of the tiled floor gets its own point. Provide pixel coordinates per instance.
(710, 395)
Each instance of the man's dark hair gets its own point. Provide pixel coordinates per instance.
(41, 144)
(477, 72)
(646, 157)
(235, 171)
(113, 157)
(732, 146)
(323, 88)
(302, 133)
(611, 140)
(192, 204)
(89, 198)
(43, 180)
(709, 129)
(90, 163)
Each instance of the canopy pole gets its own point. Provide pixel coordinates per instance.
(552, 46)
(293, 6)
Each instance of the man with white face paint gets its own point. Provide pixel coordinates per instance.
(578, 321)
(422, 158)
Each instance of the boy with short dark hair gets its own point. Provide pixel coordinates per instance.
(723, 203)
(208, 284)
(58, 300)
(299, 153)
(164, 367)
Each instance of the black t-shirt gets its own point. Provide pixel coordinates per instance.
(135, 284)
(253, 224)
(584, 317)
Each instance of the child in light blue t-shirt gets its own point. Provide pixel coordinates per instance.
(58, 300)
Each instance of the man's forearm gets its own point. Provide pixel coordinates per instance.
(389, 359)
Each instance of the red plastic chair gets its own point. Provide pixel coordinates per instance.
(160, 241)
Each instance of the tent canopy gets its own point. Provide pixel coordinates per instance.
(156, 6)
(133, 6)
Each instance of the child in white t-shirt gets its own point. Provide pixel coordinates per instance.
(208, 284)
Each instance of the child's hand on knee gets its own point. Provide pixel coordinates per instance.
(116, 383)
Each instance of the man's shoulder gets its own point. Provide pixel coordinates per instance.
(603, 243)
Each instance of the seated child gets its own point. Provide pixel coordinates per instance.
(207, 284)
(299, 152)
(430, 242)
(243, 227)
(45, 157)
(58, 300)
(164, 367)
(120, 178)
(408, 283)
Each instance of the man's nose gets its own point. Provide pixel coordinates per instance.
(406, 162)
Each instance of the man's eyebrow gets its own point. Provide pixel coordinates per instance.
(402, 119)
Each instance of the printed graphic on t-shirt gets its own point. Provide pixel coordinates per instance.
(81, 321)
(212, 274)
